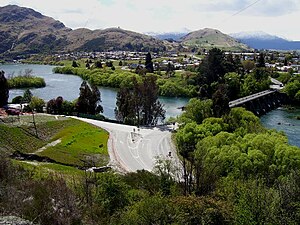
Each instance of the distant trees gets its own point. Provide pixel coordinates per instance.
(139, 103)
(4, 91)
(75, 64)
(89, 99)
(261, 60)
(149, 63)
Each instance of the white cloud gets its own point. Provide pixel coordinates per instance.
(273, 16)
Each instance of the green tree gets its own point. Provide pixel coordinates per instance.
(139, 103)
(149, 63)
(74, 64)
(37, 104)
(196, 110)
(27, 96)
(212, 69)
(261, 60)
(4, 91)
(220, 101)
(89, 99)
(98, 64)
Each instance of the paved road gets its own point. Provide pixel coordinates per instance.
(133, 149)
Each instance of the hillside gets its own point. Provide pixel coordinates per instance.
(112, 39)
(262, 40)
(25, 31)
(210, 38)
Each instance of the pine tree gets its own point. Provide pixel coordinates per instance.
(149, 63)
(261, 60)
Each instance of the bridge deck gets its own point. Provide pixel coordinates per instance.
(243, 100)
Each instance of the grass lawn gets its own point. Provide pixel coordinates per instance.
(79, 142)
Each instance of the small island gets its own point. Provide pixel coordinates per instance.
(25, 80)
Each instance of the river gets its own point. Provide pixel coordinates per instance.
(67, 86)
(284, 120)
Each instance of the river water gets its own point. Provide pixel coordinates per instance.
(284, 120)
(67, 86)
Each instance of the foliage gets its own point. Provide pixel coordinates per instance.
(196, 110)
(27, 96)
(23, 81)
(139, 104)
(220, 101)
(174, 87)
(88, 100)
(37, 104)
(149, 63)
(292, 88)
(4, 92)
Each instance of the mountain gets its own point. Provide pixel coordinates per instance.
(112, 39)
(262, 40)
(25, 31)
(210, 38)
(175, 36)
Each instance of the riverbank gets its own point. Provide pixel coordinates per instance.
(175, 86)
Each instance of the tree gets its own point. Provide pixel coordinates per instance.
(37, 104)
(4, 91)
(248, 65)
(211, 70)
(220, 101)
(170, 70)
(74, 64)
(149, 63)
(139, 103)
(89, 98)
(261, 60)
(98, 64)
(27, 96)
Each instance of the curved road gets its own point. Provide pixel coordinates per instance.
(133, 149)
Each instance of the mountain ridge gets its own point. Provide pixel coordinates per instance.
(263, 40)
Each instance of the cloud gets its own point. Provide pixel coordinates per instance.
(277, 16)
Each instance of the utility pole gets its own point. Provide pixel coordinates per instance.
(34, 123)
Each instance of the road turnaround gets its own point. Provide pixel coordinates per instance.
(131, 148)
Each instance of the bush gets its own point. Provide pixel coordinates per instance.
(26, 82)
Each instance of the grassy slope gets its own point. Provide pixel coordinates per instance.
(79, 140)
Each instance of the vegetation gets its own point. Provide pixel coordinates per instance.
(79, 141)
(292, 89)
(26, 82)
(139, 103)
(88, 100)
(4, 92)
(175, 87)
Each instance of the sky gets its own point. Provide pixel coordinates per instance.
(277, 17)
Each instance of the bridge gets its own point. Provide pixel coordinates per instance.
(262, 102)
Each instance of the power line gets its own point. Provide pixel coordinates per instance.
(247, 7)
(242, 10)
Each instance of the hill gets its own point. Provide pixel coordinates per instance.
(262, 40)
(112, 39)
(210, 38)
(25, 31)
